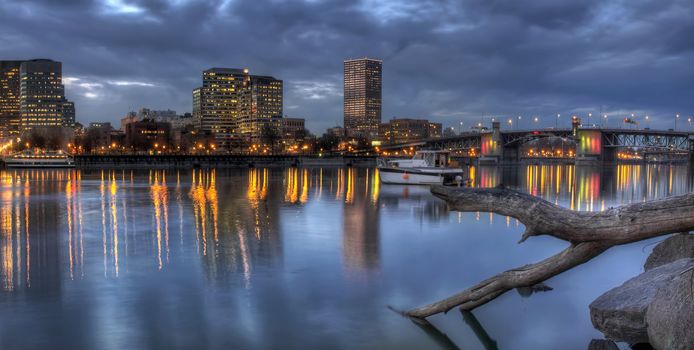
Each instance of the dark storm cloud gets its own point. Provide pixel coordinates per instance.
(444, 60)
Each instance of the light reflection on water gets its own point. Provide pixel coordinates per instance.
(289, 258)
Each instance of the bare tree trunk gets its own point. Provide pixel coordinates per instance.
(589, 233)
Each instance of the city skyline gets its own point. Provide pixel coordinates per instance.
(446, 65)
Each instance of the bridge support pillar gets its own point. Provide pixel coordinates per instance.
(511, 155)
(608, 155)
(589, 145)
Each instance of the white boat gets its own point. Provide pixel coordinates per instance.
(425, 168)
(30, 159)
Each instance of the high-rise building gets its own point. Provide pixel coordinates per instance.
(32, 95)
(42, 95)
(233, 104)
(362, 97)
(266, 105)
(9, 97)
(223, 100)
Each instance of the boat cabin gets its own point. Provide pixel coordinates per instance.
(421, 159)
(435, 159)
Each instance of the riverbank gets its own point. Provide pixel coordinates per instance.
(216, 161)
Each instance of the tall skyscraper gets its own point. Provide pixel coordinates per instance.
(42, 95)
(233, 104)
(9, 97)
(362, 97)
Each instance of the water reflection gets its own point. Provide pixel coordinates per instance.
(361, 224)
(246, 231)
(589, 188)
(61, 230)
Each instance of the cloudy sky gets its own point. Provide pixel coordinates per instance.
(449, 61)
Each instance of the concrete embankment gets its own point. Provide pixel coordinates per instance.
(216, 161)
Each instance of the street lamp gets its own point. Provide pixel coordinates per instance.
(518, 124)
(647, 125)
(556, 122)
(677, 117)
(606, 121)
(590, 115)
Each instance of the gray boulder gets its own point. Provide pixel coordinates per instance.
(620, 313)
(678, 246)
(602, 344)
(670, 317)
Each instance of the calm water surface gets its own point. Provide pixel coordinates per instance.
(291, 258)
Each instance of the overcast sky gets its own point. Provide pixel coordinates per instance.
(448, 61)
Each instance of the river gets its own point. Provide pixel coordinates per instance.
(288, 258)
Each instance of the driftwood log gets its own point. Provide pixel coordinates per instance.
(589, 234)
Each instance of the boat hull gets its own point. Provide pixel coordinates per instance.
(38, 164)
(409, 177)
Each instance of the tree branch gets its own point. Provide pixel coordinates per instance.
(590, 234)
(524, 276)
(626, 224)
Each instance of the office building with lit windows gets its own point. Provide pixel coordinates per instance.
(9, 97)
(266, 106)
(234, 105)
(362, 97)
(407, 129)
(222, 101)
(42, 95)
(68, 113)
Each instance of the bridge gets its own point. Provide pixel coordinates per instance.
(583, 143)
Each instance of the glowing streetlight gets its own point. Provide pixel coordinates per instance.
(677, 117)
(556, 122)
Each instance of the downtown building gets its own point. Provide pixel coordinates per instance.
(407, 129)
(235, 106)
(42, 96)
(9, 97)
(362, 97)
(32, 96)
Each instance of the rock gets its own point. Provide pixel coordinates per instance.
(678, 246)
(670, 317)
(620, 313)
(602, 344)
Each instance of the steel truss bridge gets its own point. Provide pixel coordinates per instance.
(650, 141)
